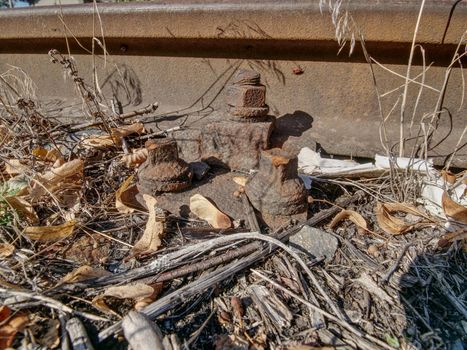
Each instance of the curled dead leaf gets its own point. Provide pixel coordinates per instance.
(138, 157)
(126, 130)
(393, 225)
(454, 210)
(83, 273)
(115, 139)
(134, 291)
(72, 169)
(449, 177)
(150, 241)
(6, 250)
(205, 210)
(125, 197)
(353, 216)
(139, 292)
(50, 233)
(65, 177)
(99, 142)
(10, 326)
(448, 238)
(23, 208)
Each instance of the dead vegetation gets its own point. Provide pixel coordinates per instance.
(81, 249)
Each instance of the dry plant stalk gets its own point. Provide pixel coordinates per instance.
(90, 98)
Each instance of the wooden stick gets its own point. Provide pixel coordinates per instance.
(78, 335)
(141, 333)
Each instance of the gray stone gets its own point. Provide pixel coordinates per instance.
(315, 242)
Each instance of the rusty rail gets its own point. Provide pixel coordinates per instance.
(179, 44)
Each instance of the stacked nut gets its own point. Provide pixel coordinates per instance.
(246, 96)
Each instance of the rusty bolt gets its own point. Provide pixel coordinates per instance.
(276, 188)
(163, 170)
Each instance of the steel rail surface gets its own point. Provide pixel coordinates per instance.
(178, 49)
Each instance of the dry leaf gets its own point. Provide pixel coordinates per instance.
(10, 327)
(84, 273)
(125, 197)
(404, 208)
(205, 210)
(136, 291)
(391, 224)
(73, 168)
(99, 303)
(115, 139)
(126, 130)
(136, 158)
(23, 208)
(99, 142)
(353, 216)
(453, 210)
(66, 176)
(50, 233)
(47, 155)
(449, 177)
(14, 167)
(150, 241)
(6, 250)
(240, 180)
(448, 238)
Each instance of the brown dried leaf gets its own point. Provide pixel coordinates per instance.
(9, 329)
(453, 210)
(136, 291)
(138, 157)
(6, 250)
(50, 233)
(126, 130)
(205, 210)
(15, 166)
(353, 216)
(125, 197)
(150, 241)
(83, 273)
(391, 224)
(72, 170)
(99, 142)
(5, 312)
(139, 292)
(23, 208)
(113, 140)
(99, 303)
(448, 238)
(404, 208)
(66, 176)
(237, 307)
(449, 177)
(47, 155)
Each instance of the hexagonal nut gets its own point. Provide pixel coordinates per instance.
(246, 95)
